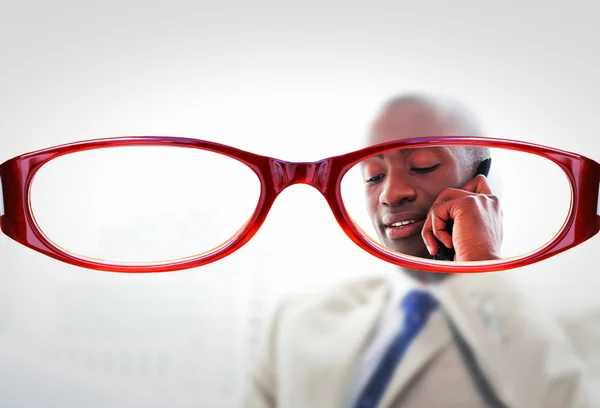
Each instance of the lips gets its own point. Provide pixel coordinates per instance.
(403, 225)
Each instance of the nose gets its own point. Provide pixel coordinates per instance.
(396, 190)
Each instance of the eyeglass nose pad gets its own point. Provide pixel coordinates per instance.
(278, 175)
(323, 171)
(315, 174)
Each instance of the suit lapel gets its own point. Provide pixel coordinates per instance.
(346, 324)
(364, 305)
(434, 336)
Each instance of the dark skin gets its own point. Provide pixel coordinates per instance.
(423, 189)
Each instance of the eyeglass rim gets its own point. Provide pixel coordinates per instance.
(582, 222)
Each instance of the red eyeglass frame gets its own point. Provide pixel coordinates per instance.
(325, 175)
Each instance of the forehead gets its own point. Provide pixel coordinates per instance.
(410, 120)
(439, 151)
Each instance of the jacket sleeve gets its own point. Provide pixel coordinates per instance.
(525, 354)
(261, 383)
(583, 331)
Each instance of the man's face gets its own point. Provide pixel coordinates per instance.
(402, 185)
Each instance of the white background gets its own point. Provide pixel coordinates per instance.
(299, 81)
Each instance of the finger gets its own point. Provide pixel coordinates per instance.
(478, 185)
(429, 233)
(449, 194)
(434, 228)
(440, 216)
(428, 236)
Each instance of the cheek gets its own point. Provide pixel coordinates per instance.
(433, 187)
(371, 200)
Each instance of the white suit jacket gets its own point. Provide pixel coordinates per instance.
(526, 358)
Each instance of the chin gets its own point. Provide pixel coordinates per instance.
(419, 251)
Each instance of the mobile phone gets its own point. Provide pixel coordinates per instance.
(447, 254)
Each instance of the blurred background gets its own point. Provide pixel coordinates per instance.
(297, 81)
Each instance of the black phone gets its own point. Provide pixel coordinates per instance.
(447, 254)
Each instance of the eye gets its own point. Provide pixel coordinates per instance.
(374, 179)
(423, 170)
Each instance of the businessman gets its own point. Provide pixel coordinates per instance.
(413, 194)
(432, 340)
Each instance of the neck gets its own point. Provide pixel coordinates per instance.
(425, 278)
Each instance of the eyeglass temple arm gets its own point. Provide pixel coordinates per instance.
(1, 199)
(598, 202)
(598, 198)
(596, 165)
(4, 195)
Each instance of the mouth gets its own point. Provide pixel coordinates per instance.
(405, 228)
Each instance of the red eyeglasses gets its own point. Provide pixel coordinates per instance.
(155, 204)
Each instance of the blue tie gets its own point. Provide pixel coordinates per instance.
(417, 306)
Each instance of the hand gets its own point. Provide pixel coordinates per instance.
(477, 230)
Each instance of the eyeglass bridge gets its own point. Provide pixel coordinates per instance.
(315, 174)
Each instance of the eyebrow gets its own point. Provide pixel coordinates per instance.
(410, 150)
